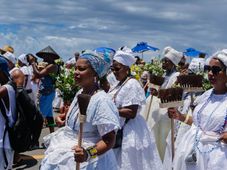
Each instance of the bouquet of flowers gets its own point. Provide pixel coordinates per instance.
(136, 71)
(156, 72)
(65, 82)
(154, 68)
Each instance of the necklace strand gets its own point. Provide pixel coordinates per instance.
(197, 137)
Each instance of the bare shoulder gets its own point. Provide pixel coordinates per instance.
(18, 77)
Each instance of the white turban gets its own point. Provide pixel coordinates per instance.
(125, 57)
(10, 56)
(23, 59)
(221, 55)
(197, 65)
(172, 54)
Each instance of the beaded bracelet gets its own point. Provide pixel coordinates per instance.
(91, 152)
(186, 119)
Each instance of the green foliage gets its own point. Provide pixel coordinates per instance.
(65, 82)
(154, 68)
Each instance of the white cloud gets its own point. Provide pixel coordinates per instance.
(69, 26)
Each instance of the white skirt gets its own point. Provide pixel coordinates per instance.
(60, 156)
(138, 151)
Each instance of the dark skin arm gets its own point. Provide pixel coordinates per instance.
(51, 68)
(128, 111)
(223, 137)
(4, 95)
(102, 146)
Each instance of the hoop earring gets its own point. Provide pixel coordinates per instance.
(95, 79)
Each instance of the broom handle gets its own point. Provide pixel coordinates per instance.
(149, 108)
(79, 143)
(172, 137)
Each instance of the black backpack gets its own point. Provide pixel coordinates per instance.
(26, 131)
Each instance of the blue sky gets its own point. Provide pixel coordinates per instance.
(75, 25)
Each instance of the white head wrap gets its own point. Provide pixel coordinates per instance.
(10, 56)
(196, 65)
(221, 55)
(172, 54)
(23, 59)
(125, 57)
(71, 61)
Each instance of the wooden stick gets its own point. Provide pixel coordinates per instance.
(149, 108)
(172, 137)
(83, 101)
(80, 143)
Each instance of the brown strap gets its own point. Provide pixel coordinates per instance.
(115, 95)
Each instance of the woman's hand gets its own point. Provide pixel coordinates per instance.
(80, 154)
(154, 92)
(175, 114)
(223, 137)
(60, 120)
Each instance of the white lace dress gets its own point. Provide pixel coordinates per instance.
(138, 150)
(208, 120)
(11, 114)
(102, 117)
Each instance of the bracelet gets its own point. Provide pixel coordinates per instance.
(92, 152)
(186, 119)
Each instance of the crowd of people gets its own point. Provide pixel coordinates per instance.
(125, 127)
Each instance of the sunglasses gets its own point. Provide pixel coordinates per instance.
(214, 69)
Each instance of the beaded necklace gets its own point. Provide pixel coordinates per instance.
(197, 137)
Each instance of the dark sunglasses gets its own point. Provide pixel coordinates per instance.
(214, 69)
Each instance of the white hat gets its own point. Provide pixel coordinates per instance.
(23, 59)
(173, 55)
(71, 61)
(10, 56)
(197, 65)
(221, 55)
(124, 57)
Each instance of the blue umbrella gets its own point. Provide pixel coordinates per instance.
(191, 52)
(142, 47)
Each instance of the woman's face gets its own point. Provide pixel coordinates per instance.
(216, 74)
(120, 71)
(84, 74)
(167, 64)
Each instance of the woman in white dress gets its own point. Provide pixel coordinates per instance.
(138, 150)
(203, 147)
(99, 129)
(8, 106)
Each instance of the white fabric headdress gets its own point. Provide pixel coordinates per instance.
(197, 65)
(23, 59)
(10, 56)
(125, 57)
(172, 54)
(221, 55)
